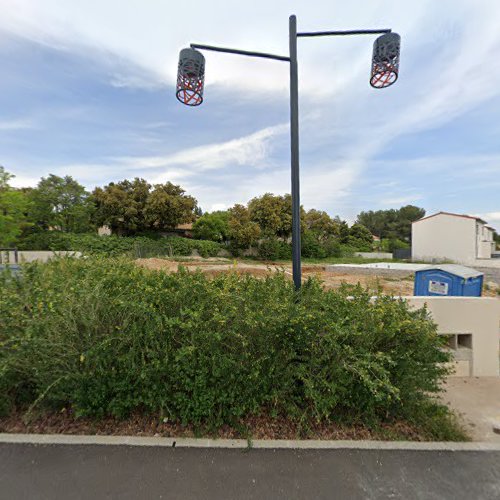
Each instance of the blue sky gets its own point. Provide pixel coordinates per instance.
(87, 89)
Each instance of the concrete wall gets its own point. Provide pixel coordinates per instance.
(444, 237)
(478, 317)
(36, 255)
(374, 255)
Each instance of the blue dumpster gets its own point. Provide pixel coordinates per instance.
(448, 280)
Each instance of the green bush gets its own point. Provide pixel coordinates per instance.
(333, 248)
(311, 247)
(212, 226)
(139, 246)
(104, 336)
(392, 244)
(274, 249)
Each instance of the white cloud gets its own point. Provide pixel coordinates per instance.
(152, 36)
(402, 200)
(251, 150)
(24, 181)
(449, 66)
(19, 124)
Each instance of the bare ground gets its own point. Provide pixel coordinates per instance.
(395, 283)
(256, 427)
(389, 281)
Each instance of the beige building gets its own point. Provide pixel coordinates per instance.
(446, 236)
(471, 326)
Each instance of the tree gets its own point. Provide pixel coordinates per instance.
(391, 224)
(13, 207)
(273, 214)
(343, 230)
(321, 224)
(407, 215)
(360, 237)
(121, 206)
(168, 206)
(496, 238)
(130, 207)
(61, 203)
(378, 222)
(243, 232)
(212, 226)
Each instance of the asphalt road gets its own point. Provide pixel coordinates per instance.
(122, 472)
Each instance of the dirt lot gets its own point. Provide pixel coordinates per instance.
(395, 282)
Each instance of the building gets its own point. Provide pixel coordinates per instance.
(454, 237)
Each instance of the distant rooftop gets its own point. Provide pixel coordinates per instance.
(453, 215)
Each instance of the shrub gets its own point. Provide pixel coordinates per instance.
(213, 226)
(332, 247)
(311, 247)
(274, 249)
(104, 336)
(139, 246)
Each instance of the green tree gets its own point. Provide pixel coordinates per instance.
(391, 224)
(167, 206)
(212, 226)
(121, 206)
(343, 230)
(243, 232)
(130, 207)
(273, 214)
(13, 207)
(61, 203)
(321, 224)
(360, 237)
(407, 215)
(496, 238)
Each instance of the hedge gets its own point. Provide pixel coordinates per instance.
(139, 246)
(106, 337)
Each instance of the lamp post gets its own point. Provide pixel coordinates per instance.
(384, 72)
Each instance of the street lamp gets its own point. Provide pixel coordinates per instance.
(384, 72)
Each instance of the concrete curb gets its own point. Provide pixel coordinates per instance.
(66, 439)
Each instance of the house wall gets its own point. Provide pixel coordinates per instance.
(444, 237)
(485, 243)
(475, 316)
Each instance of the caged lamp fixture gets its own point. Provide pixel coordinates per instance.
(190, 77)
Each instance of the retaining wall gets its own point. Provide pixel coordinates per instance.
(472, 325)
(35, 255)
(374, 255)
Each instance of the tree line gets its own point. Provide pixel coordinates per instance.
(136, 207)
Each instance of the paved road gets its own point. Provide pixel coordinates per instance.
(94, 472)
(490, 274)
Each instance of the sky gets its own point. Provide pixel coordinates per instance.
(87, 89)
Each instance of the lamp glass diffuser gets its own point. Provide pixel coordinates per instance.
(190, 77)
(385, 62)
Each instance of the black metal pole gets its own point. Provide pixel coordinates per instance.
(344, 32)
(239, 52)
(294, 145)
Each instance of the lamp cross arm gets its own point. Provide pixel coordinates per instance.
(343, 32)
(249, 53)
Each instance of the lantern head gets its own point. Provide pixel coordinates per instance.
(190, 77)
(385, 62)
